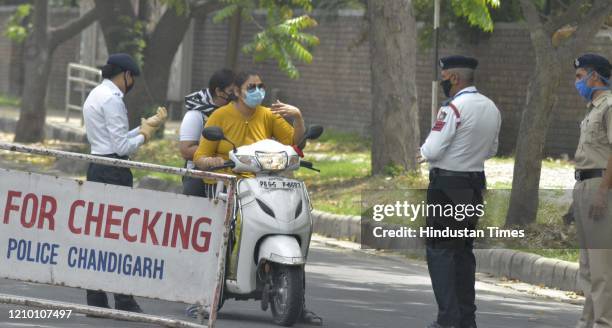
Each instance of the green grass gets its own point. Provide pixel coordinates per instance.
(10, 101)
(571, 255)
(345, 182)
(162, 152)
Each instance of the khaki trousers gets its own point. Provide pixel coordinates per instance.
(595, 237)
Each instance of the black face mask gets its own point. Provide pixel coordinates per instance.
(128, 87)
(446, 87)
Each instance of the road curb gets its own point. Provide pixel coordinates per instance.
(52, 130)
(526, 267)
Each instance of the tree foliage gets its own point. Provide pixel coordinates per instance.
(19, 25)
(465, 21)
(476, 12)
(132, 36)
(281, 37)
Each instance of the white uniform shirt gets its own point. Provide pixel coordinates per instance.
(191, 129)
(465, 133)
(106, 122)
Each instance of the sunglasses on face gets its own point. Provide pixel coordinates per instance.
(253, 86)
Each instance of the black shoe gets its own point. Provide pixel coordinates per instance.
(310, 318)
(128, 305)
(97, 298)
(437, 325)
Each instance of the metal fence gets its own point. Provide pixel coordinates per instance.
(80, 79)
(226, 185)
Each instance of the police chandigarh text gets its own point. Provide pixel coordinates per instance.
(106, 221)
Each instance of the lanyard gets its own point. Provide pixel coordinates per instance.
(448, 101)
(462, 93)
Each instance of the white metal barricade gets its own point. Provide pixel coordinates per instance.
(117, 239)
(83, 78)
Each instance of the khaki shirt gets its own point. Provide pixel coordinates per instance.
(595, 145)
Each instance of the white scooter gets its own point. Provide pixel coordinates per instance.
(273, 228)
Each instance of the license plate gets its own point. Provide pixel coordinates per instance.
(279, 184)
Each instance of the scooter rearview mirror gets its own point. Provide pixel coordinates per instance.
(213, 133)
(314, 132)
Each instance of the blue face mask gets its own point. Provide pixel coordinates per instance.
(585, 91)
(254, 97)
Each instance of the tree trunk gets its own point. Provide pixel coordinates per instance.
(161, 46)
(30, 127)
(541, 99)
(233, 42)
(395, 123)
(551, 59)
(159, 54)
(39, 49)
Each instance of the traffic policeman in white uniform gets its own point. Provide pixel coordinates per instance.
(464, 135)
(592, 210)
(106, 125)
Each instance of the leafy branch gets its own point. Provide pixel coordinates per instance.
(19, 25)
(281, 37)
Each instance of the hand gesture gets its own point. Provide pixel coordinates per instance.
(159, 118)
(285, 110)
(146, 129)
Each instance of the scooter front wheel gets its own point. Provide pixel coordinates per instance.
(287, 294)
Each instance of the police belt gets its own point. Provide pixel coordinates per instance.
(581, 175)
(463, 174)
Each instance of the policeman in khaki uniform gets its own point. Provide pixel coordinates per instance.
(464, 135)
(591, 193)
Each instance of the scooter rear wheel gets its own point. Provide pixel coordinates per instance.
(287, 296)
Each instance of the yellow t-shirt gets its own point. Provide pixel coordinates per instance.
(263, 124)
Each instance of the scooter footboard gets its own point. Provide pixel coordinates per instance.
(281, 249)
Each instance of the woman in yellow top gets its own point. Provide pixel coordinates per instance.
(244, 121)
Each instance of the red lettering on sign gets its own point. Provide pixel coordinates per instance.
(149, 227)
(111, 221)
(47, 213)
(29, 198)
(73, 207)
(167, 230)
(97, 219)
(126, 225)
(9, 204)
(204, 234)
(182, 230)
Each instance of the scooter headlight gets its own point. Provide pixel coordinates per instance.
(272, 161)
(248, 160)
(294, 160)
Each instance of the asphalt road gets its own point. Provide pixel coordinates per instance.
(346, 288)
